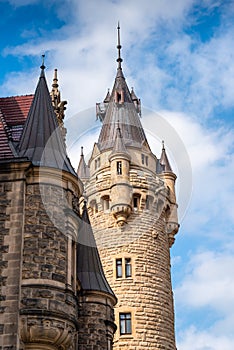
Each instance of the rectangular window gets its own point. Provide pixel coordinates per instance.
(128, 267)
(135, 202)
(142, 159)
(119, 268)
(97, 163)
(125, 323)
(119, 168)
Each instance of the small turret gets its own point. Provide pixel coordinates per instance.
(83, 169)
(120, 188)
(169, 178)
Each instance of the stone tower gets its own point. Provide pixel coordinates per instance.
(133, 211)
(54, 294)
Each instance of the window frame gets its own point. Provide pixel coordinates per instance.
(128, 267)
(125, 323)
(119, 168)
(119, 268)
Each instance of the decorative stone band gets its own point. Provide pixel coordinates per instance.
(46, 333)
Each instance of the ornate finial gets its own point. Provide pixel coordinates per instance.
(163, 147)
(43, 62)
(55, 80)
(82, 149)
(119, 59)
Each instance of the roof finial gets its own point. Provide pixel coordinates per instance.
(55, 80)
(163, 147)
(82, 151)
(119, 59)
(43, 62)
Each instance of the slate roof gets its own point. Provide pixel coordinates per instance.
(83, 169)
(121, 113)
(89, 268)
(29, 128)
(125, 115)
(164, 164)
(41, 141)
(119, 146)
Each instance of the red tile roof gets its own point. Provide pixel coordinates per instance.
(13, 113)
(15, 108)
(5, 150)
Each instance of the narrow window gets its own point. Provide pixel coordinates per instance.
(97, 163)
(146, 160)
(135, 202)
(128, 267)
(73, 263)
(119, 168)
(106, 203)
(142, 159)
(125, 323)
(119, 268)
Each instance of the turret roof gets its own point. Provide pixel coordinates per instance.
(89, 267)
(83, 170)
(164, 162)
(41, 140)
(121, 111)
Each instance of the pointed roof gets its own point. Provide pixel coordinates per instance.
(41, 140)
(121, 110)
(89, 268)
(119, 146)
(83, 170)
(164, 162)
(107, 98)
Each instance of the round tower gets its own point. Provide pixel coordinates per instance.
(131, 198)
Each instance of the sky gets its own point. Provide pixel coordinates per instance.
(179, 57)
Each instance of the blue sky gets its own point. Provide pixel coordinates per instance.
(179, 56)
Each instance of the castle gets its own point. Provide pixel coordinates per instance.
(58, 291)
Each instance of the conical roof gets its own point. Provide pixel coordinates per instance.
(121, 111)
(41, 141)
(83, 170)
(119, 146)
(164, 162)
(89, 268)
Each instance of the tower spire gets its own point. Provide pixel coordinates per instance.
(119, 59)
(43, 65)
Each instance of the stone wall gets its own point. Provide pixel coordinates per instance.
(147, 294)
(12, 189)
(48, 306)
(96, 321)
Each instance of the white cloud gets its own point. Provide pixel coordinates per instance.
(209, 282)
(204, 340)
(207, 289)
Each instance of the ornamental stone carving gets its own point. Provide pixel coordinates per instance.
(55, 334)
